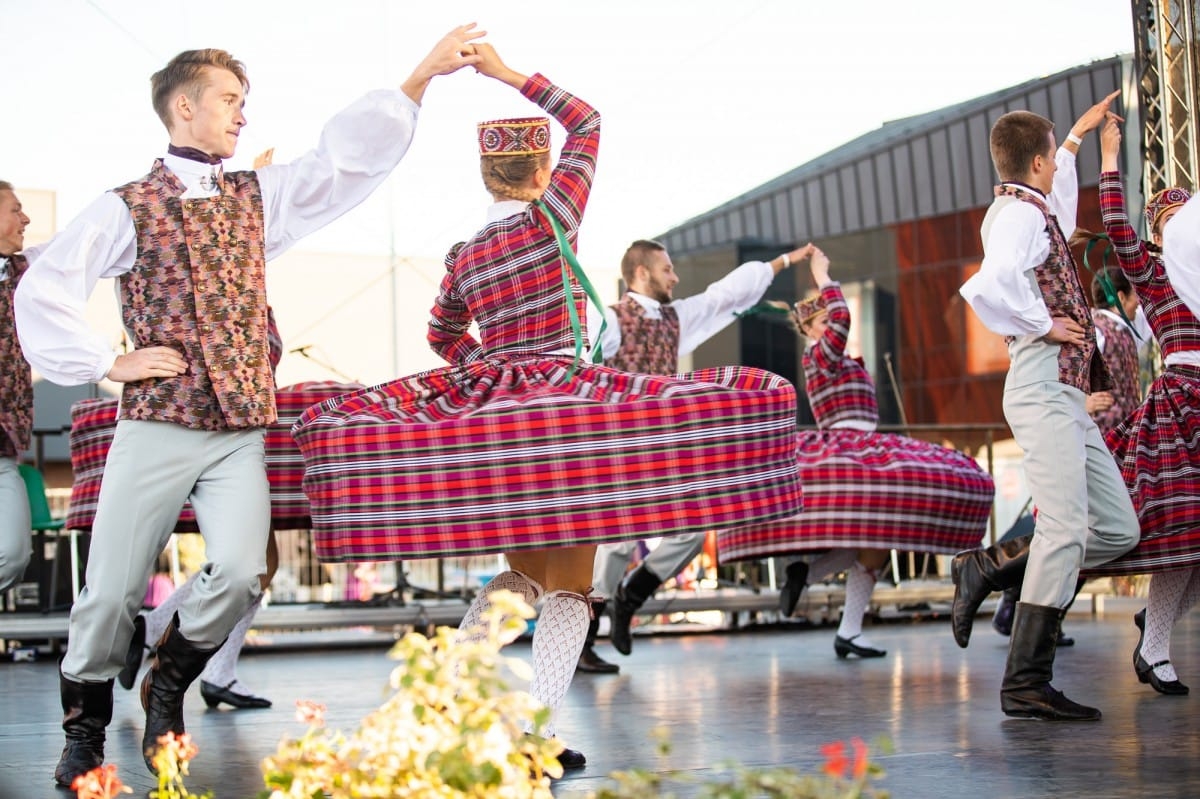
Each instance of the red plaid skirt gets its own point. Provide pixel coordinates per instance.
(873, 491)
(499, 456)
(93, 422)
(1158, 450)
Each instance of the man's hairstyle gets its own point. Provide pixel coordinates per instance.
(636, 255)
(6, 186)
(1016, 138)
(186, 73)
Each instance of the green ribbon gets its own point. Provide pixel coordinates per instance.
(570, 265)
(762, 309)
(1110, 291)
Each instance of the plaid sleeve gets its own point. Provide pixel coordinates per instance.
(1131, 252)
(572, 178)
(450, 319)
(830, 350)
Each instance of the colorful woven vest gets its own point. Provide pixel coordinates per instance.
(1080, 366)
(648, 346)
(198, 286)
(16, 384)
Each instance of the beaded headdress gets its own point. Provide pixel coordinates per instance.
(525, 136)
(1162, 202)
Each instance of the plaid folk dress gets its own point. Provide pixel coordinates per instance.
(1158, 445)
(514, 446)
(864, 489)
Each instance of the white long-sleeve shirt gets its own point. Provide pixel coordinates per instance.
(1014, 242)
(357, 150)
(701, 316)
(1181, 253)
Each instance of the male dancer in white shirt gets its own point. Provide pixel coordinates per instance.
(647, 332)
(16, 397)
(1028, 290)
(187, 245)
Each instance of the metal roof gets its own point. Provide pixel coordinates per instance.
(921, 166)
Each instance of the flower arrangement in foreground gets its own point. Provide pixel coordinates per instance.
(453, 729)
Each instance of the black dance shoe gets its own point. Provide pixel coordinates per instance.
(214, 695)
(1145, 671)
(846, 646)
(591, 663)
(571, 759)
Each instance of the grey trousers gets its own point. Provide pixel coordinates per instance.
(1084, 514)
(665, 561)
(152, 469)
(16, 538)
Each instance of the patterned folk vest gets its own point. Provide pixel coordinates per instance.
(16, 384)
(198, 286)
(648, 346)
(1080, 366)
(1121, 355)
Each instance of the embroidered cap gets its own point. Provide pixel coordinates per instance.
(807, 309)
(1162, 202)
(525, 136)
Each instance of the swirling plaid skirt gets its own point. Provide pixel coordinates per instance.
(1158, 450)
(507, 455)
(873, 491)
(93, 422)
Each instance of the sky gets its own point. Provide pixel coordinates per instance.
(701, 101)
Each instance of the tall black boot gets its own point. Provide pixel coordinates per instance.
(633, 592)
(1026, 691)
(977, 573)
(177, 663)
(87, 710)
(589, 661)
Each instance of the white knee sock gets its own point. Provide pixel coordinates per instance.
(221, 669)
(557, 641)
(830, 563)
(860, 582)
(471, 627)
(158, 619)
(1166, 592)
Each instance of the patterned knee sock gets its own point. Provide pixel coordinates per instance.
(471, 629)
(221, 669)
(557, 641)
(1166, 591)
(860, 582)
(158, 619)
(830, 563)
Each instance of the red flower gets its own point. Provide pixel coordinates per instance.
(836, 763)
(860, 757)
(99, 783)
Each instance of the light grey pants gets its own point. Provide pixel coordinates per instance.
(16, 538)
(1084, 514)
(152, 469)
(665, 561)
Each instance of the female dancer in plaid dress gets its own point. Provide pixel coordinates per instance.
(519, 448)
(1158, 446)
(864, 492)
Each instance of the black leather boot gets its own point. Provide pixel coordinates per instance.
(87, 710)
(1026, 691)
(135, 653)
(589, 661)
(977, 573)
(633, 592)
(176, 665)
(793, 587)
(1002, 621)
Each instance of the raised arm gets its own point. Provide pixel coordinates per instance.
(357, 150)
(1131, 252)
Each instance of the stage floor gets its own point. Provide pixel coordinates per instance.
(762, 696)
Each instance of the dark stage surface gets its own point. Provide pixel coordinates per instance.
(771, 695)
